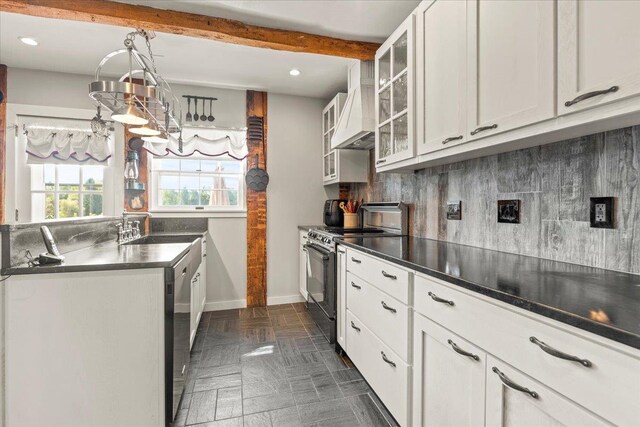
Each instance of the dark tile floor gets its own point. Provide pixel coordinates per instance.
(271, 367)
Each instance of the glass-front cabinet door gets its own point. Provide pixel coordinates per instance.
(395, 68)
(329, 119)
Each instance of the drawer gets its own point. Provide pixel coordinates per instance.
(391, 324)
(609, 384)
(387, 277)
(391, 383)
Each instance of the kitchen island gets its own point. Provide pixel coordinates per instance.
(103, 338)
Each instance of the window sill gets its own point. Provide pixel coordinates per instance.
(198, 214)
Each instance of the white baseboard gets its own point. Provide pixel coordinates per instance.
(242, 303)
(287, 299)
(225, 305)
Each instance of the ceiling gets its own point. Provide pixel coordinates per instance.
(363, 20)
(77, 47)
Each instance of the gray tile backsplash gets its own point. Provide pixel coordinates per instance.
(553, 182)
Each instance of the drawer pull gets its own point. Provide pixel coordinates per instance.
(353, 325)
(384, 357)
(386, 307)
(483, 128)
(557, 353)
(381, 161)
(357, 261)
(389, 276)
(462, 352)
(590, 95)
(506, 381)
(451, 138)
(438, 299)
(356, 286)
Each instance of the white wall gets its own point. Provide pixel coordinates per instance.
(295, 195)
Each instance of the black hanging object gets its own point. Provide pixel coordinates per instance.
(257, 178)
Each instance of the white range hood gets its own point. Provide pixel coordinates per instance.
(356, 126)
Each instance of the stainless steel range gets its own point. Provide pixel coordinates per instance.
(378, 219)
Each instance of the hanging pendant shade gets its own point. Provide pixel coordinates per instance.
(150, 129)
(159, 139)
(129, 114)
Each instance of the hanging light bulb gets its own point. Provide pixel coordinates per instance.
(150, 129)
(129, 114)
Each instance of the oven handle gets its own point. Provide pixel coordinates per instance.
(325, 253)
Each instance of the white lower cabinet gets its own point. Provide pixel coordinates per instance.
(302, 263)
(383, 369)
(448, 377)
(515, 399)
(341, 296)
(440, 355)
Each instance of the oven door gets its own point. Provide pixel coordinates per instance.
(321, 288)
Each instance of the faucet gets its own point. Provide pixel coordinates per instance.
(126, 232)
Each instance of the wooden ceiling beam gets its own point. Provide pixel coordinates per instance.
(190, 24)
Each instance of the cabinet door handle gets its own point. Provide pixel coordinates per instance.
(384, 357)
(483, 128)
(386, 307)
(357, 261)
(356, 286)
(462, 352)
(436, 298)
(506, 381)
(353, 325)
(559, 354)
(451, 138)
(389, 276)
(381, 161)
(591, 95)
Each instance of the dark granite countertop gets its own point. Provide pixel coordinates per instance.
(569, 293)
(111, 256)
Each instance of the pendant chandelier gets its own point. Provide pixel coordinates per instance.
(140, 98)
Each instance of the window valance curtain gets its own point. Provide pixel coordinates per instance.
(206, 142)
(65, 145)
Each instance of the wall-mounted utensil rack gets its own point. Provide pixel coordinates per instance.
(195, 117)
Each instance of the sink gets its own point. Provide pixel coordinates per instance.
(164, 238)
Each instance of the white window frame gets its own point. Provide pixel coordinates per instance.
(154, 191)
(18, 207)
(56, 192)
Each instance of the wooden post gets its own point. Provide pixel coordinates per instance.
(3, 143)
(257, 210)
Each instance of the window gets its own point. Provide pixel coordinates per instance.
(197, 184)
(66, 191)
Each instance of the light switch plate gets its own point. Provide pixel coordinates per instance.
(509, 211)
(454, 210)
(602, 213)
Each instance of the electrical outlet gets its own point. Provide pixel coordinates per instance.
(601, 213)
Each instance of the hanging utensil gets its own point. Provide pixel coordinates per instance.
(99, 126)
(195, 116)
(257, 178)
(188, 118)
(211, 118)
(203, 116)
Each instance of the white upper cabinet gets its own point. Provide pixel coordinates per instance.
(598, 52)
(329, 119)
(395, 139)
(340, 165)
(441, 74)
(511, 57)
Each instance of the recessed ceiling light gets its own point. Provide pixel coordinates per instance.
(29, 41)
(294, 72)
